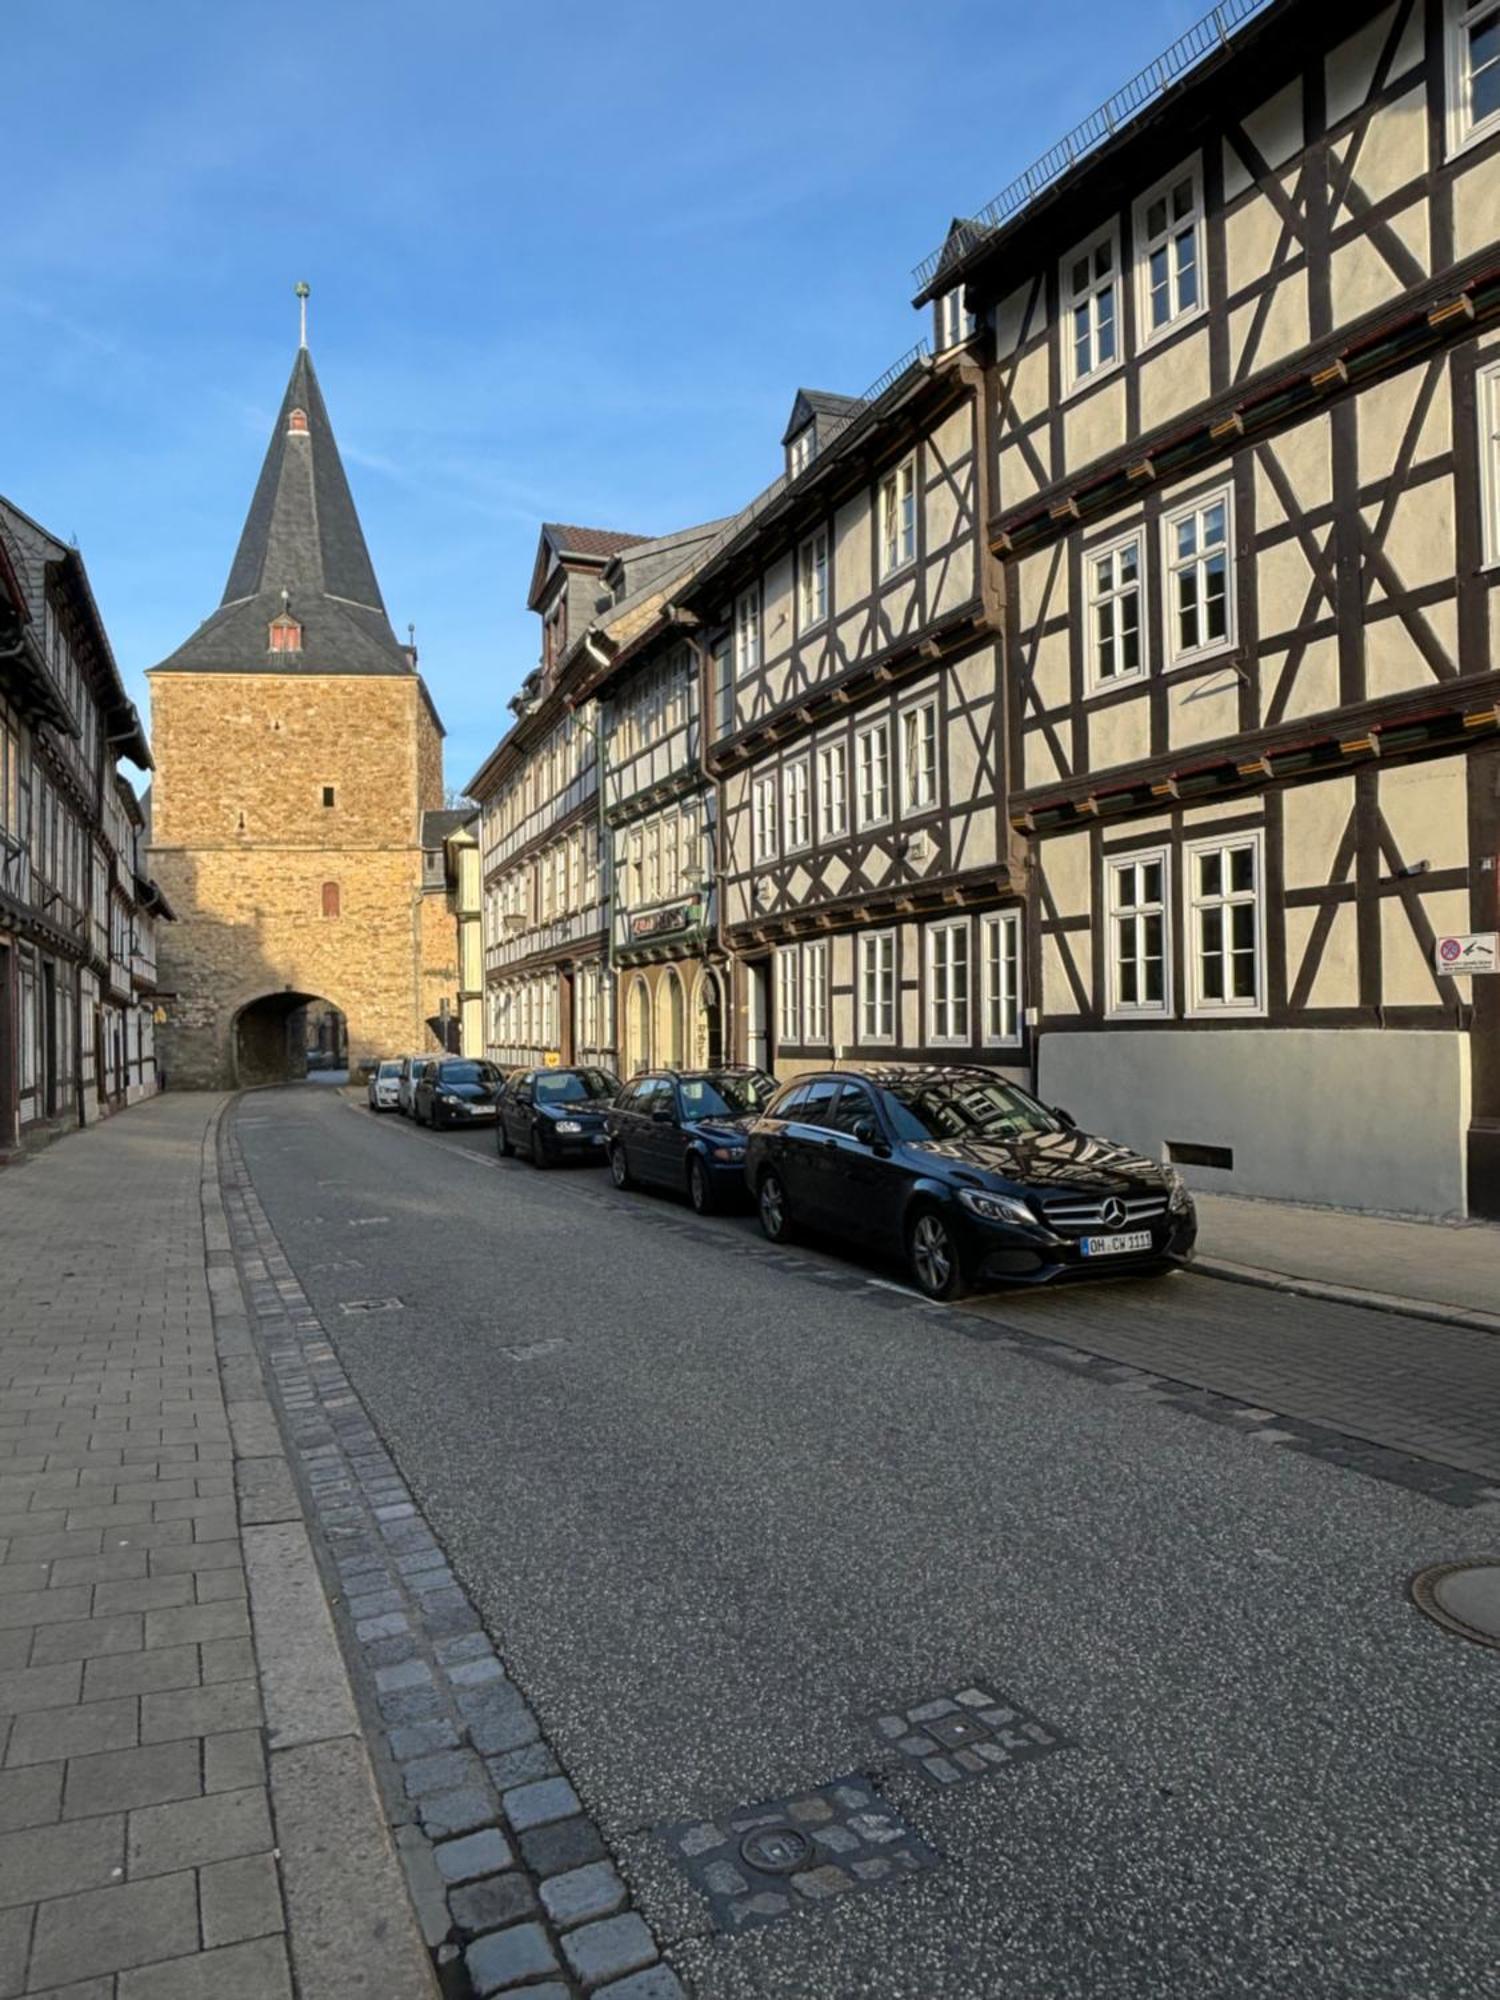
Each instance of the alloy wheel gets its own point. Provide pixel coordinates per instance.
(772, 1208)
(934, 1263)
(619, 1166)
(698, 1189)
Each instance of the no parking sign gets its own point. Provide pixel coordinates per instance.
(1465, 953)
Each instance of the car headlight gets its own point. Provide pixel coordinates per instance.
(447, 1097)
(570, 1126)
(1179, 1201)
(996, 1207)
(727, 1153)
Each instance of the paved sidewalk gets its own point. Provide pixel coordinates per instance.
(1444, 1270)
(157, 1840)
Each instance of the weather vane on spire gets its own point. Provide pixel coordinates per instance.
(303, 290)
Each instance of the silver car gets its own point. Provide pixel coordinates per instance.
(412, 1071)
(385, 1084)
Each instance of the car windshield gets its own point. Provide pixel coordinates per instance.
(574, 1086)
(979, 1107)
(390, 1069)
(468, 1072)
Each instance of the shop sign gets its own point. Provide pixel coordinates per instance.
(658, 923)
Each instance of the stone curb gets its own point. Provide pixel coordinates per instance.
(351, 1928)
(511, 1879)
(1347, 1295)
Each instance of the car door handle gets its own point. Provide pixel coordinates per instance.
(831, 1145)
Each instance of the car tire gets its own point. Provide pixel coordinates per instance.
(503, 1145)
(772, 1208)
(932, 1256)
(619, 1167)
(541, 1150)
(700, 1187)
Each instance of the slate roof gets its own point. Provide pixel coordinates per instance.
(813, 403)
(436, 826)
(301, 536)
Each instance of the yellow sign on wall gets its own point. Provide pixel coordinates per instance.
(551, 1059)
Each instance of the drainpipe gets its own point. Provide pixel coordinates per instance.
(606, 856)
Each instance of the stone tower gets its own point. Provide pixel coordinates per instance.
(297, 750)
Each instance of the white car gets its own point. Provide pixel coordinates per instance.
(385, 1082)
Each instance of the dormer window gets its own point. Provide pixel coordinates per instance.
(555, 632)
(954, 324)
(296, 424)
(286, 636)
(799, 453)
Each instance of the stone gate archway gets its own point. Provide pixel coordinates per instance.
(269, 1037)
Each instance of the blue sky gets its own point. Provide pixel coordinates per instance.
(566, 263)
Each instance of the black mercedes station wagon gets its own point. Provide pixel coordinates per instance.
(554, 1114)
(975, 1179)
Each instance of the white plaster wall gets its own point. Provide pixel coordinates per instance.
(1350, 1117)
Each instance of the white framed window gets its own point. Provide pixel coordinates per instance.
(1139, 966)
(919, 758)
(874, 761)
(747, 634)
(1225, 925)
(833, 797)
(1115, 594)
(1169, 252)
(815, 993)
(1473, 30)
(1000, 977)
(1488, 387)
(948, 982)
(898, 518)
(764, 819)
(1090, 283)
(796, 812)
(799, 453)
(789, 995)
(812, 581)
(1199, 563)
(877, 987)
(954, 324)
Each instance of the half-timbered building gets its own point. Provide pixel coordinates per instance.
(549, 986)
(849, 644)
(1244, 492)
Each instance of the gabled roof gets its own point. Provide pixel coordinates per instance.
(814, 403)
(436, 826)
(590, 546)
(301, 551)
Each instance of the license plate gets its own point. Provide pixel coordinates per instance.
(597, 1139)
(1115, 1246)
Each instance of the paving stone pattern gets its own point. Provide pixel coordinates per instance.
(757, 1864)
(514, 1881)
(971, 1733)
(136, 1850)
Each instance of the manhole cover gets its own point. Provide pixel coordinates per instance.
(1462, 1597)
(776, 1850)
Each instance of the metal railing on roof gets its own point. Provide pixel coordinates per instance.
(1201, 40)
(828, 429)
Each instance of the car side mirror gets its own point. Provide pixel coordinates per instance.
(1066, 1117)
(865, 1132)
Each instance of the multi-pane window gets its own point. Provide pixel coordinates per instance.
(954, 324)
(1138, 934)
(796, 822)
(799, 453)
(919, 757)
(1489, 456)
(874, 758)
(833, 803)
(877, 986)
(1000, 975)
(747, 634)
(948, 981)
(898, 518)
(1169, 246)
(812, 581)
(815, 993)
(764, 819)
(1473, 69)
(1114, 588)
(1224, 925)
(1091, 307)
(789, 995)
(1200, 607)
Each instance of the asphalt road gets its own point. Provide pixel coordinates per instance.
(720, 1508)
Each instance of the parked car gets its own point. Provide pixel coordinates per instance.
(970, 1174)
(413, 1069)
(554, 1114)
(384, 1085)
(685, 1129)
(455, 1090)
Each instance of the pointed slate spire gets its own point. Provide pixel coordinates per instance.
(301, 560)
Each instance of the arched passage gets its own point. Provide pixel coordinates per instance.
(707, 1022)
(282, 1036)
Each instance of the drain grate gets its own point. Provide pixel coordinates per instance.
(956, 1737)
(369, 1305)
(756, 1864)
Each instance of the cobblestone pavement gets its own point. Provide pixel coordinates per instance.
(727, 1514)
(137, 1857)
